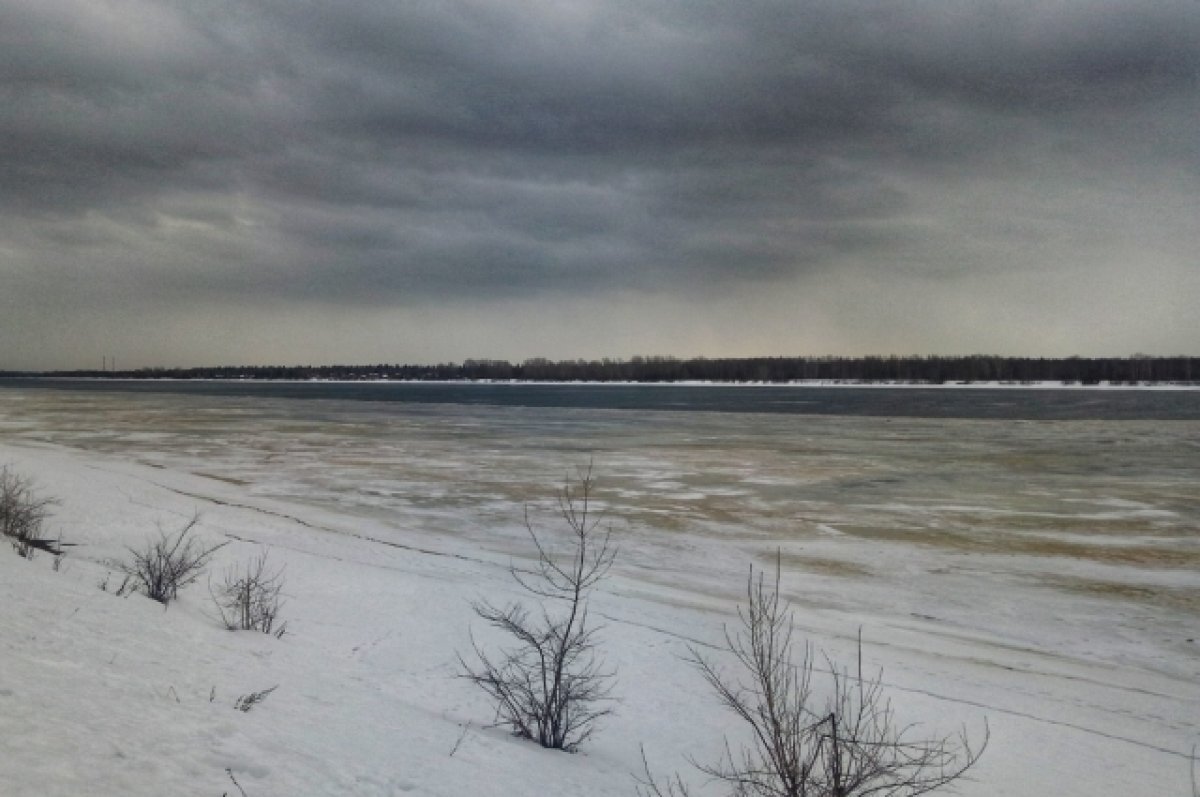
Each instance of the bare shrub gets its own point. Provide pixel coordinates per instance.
(550, 686)
(169, 563)
(849, 745)
(23, 514)
(249, 598)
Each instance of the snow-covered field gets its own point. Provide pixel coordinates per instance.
(1044, 576)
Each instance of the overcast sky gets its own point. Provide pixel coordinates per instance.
(188, 182)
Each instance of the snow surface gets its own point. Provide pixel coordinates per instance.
(107, 695)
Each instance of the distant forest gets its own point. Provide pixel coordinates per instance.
(918, 370)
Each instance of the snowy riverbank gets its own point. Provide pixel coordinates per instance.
(107, 695)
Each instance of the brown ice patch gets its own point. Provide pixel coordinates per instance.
(823, 565)
(1015, 544)
(1183, 599)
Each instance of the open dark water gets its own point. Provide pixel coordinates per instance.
(882, 401)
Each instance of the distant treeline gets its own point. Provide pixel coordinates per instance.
(923, 370)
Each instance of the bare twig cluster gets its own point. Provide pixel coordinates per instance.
(164, 566)
(123, 589)
(849, 745)
(551, 686)
(252, 699)
(23, 514)
(249, 598)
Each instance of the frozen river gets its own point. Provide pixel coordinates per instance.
(1080, 537)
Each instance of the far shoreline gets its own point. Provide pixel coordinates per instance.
(1041, 385)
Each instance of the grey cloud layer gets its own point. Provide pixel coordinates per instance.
(369, 152)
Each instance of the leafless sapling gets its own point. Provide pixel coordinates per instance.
(550, 686)
(165, 565)
(249, 598)
(848, 745)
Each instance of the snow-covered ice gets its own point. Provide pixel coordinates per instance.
(1042, 576)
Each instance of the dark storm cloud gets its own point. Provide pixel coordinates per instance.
(387, 153)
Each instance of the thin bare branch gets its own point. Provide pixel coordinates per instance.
(1195, 787)
(647, 786)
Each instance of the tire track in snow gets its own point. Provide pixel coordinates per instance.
(313, 526)
(1185, 755)
(298, 521)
